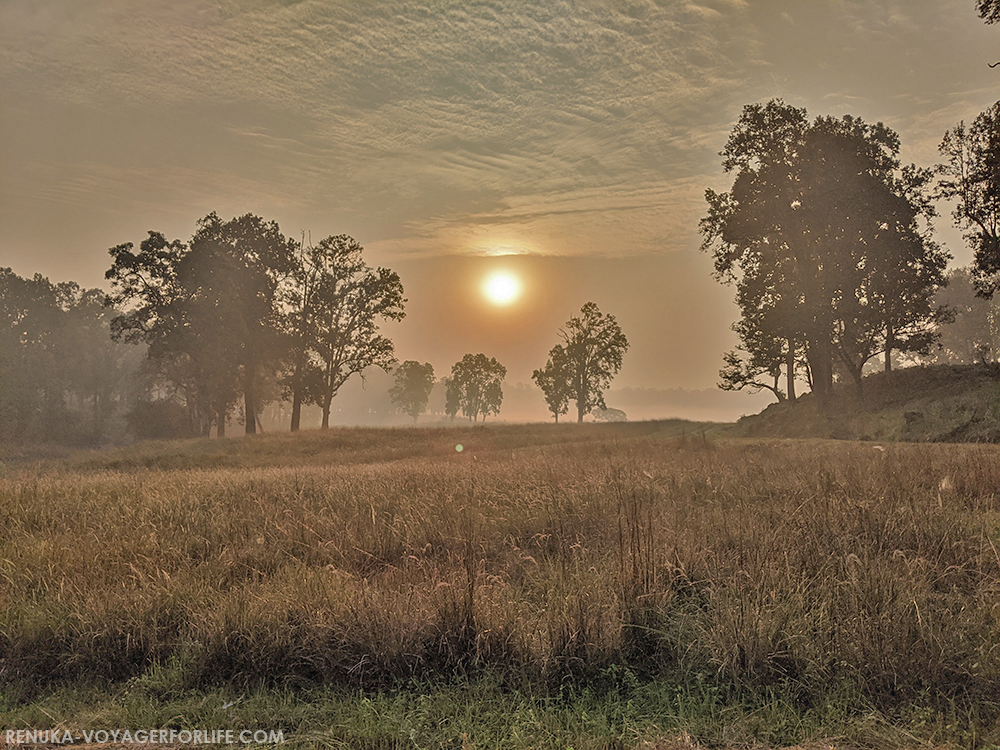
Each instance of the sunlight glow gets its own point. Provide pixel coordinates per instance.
(502, 288)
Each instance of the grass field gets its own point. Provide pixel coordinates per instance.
(584, 586)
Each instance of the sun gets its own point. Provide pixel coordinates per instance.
(502, 288)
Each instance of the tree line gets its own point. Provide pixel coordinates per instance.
(826, 236)
(193, 334)
(828, 240)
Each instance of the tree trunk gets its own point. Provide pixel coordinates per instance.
(790, 371)
(326, 414)
(249, 406)
(220, 425)
(890, 343)
(821, 366)
(296, 408)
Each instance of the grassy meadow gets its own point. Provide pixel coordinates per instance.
(585, 586)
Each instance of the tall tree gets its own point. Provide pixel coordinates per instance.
(826, 237)
(475, 387)
(209, 310)
(412, 387)
(971, 177)
(349, 301)
(554, 380)
(594, 347)
(231, 276)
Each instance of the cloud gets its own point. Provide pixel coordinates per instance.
(586, 127)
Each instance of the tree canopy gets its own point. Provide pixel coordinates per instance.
(62, 378)
(554, 380)
(826, 237)
(412, 387)
(584, 364)
(971, 177)
(989, 10)
(475, 387)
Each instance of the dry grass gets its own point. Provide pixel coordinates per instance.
(819, 569)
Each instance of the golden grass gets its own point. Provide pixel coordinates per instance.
(815, 566)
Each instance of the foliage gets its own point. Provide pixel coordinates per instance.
(208, 310)
(62, 378)
(826, 238)
(610, 415)
(475, 387)
(554, 381)
(970, 176)
(341, 301)
(590, 356)
(973, 335)
(412, 388)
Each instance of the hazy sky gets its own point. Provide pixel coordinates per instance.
(445, 135)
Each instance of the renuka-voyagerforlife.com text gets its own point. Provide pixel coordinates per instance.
(144, 736)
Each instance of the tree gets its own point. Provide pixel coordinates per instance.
(208, 310)
(594, 346)
(554, 380)
(412, 388)
(971, 176)
(974, 333)
(475, 387)
(826, 238)
(62, 378)
(452, 398)
(348, 302)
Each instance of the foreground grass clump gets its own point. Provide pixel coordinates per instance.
(837, 581)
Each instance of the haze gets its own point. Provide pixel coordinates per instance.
(567, 143)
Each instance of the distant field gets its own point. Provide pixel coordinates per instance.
(546, 586)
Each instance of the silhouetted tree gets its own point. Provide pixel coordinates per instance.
(452, 398)
(826, 237)
(475, 387)
(412, 388)
(594, 347)
(971, 177)
(349, 301)
(554, 380)
(208, 310)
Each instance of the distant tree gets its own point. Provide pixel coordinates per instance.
(594, 346)
(971, 177)
(412, 388)
(348, 302)
(452, 397)
(554, 380)
(974, 333)
(475, 387)
(62, 378)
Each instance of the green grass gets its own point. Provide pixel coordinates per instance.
(585, 586)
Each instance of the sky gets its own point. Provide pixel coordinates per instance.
(569, 143)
